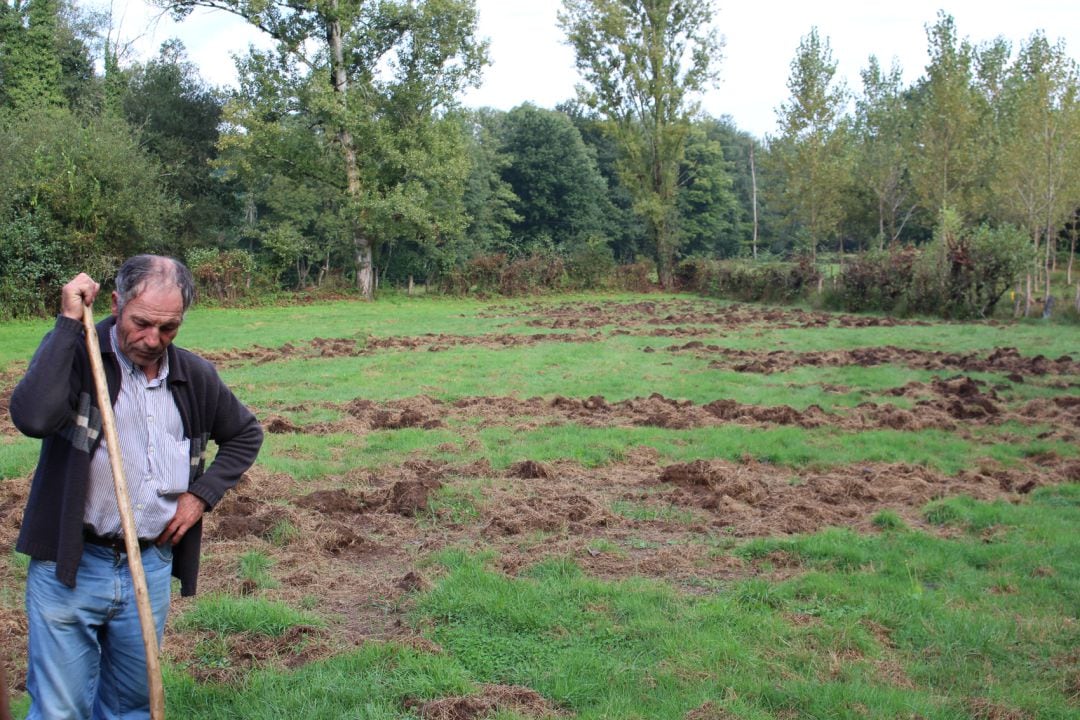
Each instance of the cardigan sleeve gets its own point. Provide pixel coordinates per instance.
(45, 399)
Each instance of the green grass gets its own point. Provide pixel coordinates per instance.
(897, 623)
(227, 614)
(308, 457)
(254, 567)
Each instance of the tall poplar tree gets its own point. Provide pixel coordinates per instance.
(1036, 181)
(643, 63)
(882, 123)
(811, 154)
(949, 140)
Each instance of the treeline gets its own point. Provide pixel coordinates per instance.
(354, 166)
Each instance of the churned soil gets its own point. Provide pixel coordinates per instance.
(354, 547)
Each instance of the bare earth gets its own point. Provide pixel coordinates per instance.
(360, 538)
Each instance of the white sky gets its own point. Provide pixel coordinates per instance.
(531, 62)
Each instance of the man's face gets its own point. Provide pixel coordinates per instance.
(149, 323)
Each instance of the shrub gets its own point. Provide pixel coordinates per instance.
(222, 275)
(964, 273)
(498, 273)
(748, 280)
(590, 266)
(637, 276)
(875, 281)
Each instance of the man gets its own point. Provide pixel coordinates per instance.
(86, 654)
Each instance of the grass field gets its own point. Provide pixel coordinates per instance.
(623, 507)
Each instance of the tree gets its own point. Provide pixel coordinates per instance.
(949, 137)
(30, 71)
(811, 155)
(624, 229)
(882, 122)
(560, 193)
(78, 195)
(409, 59)
(643, 62)
(1035, 180)
(489, 199)
(712, 220)
(177, 117)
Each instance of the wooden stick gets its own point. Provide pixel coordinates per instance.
(127, 521)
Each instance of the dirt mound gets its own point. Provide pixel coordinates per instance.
(1004, 360)
(241, 516)
(332, 502)
(490, 700)
(350, 347)
(339, 539)
(529, 470)
(722, 479)
(410, 497)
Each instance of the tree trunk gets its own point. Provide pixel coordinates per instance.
(1027, 296)
(1072, 254)
(340, 80)
(753, 201)
(410, 285)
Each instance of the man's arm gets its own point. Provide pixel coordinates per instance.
(43, 401)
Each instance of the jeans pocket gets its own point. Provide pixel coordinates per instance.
(161, 554)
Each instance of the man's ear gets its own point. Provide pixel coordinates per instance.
(115, 304)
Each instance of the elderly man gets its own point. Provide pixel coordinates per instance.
(86, 655)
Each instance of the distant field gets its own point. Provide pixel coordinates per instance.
(624, 506)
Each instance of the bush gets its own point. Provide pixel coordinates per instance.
(875, 281)
(748, 280)
(590, 266)
(221, 275)
(499, 274)
(963, 273)
(637, 276)
(32, 269)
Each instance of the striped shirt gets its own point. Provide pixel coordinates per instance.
(155, 454)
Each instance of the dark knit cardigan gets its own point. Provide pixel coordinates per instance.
(56, 401)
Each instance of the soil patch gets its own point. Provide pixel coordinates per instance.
(1004, 360)
(490, 700)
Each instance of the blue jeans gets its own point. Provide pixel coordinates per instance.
(86, 653)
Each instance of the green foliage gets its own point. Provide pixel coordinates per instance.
(504, 275)
(878, 281)
(254, 567)
(561, 196)
(643, 65)
(812, 153)
(79, 195)
(711, 219)
(177, 116)
(964, 273)
(221, 275)
(888, 520)
(747, 280)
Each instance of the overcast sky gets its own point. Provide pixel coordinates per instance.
(531, 62)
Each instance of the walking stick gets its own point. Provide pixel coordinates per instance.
(127, 521)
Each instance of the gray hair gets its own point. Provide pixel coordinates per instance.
(139, 271)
